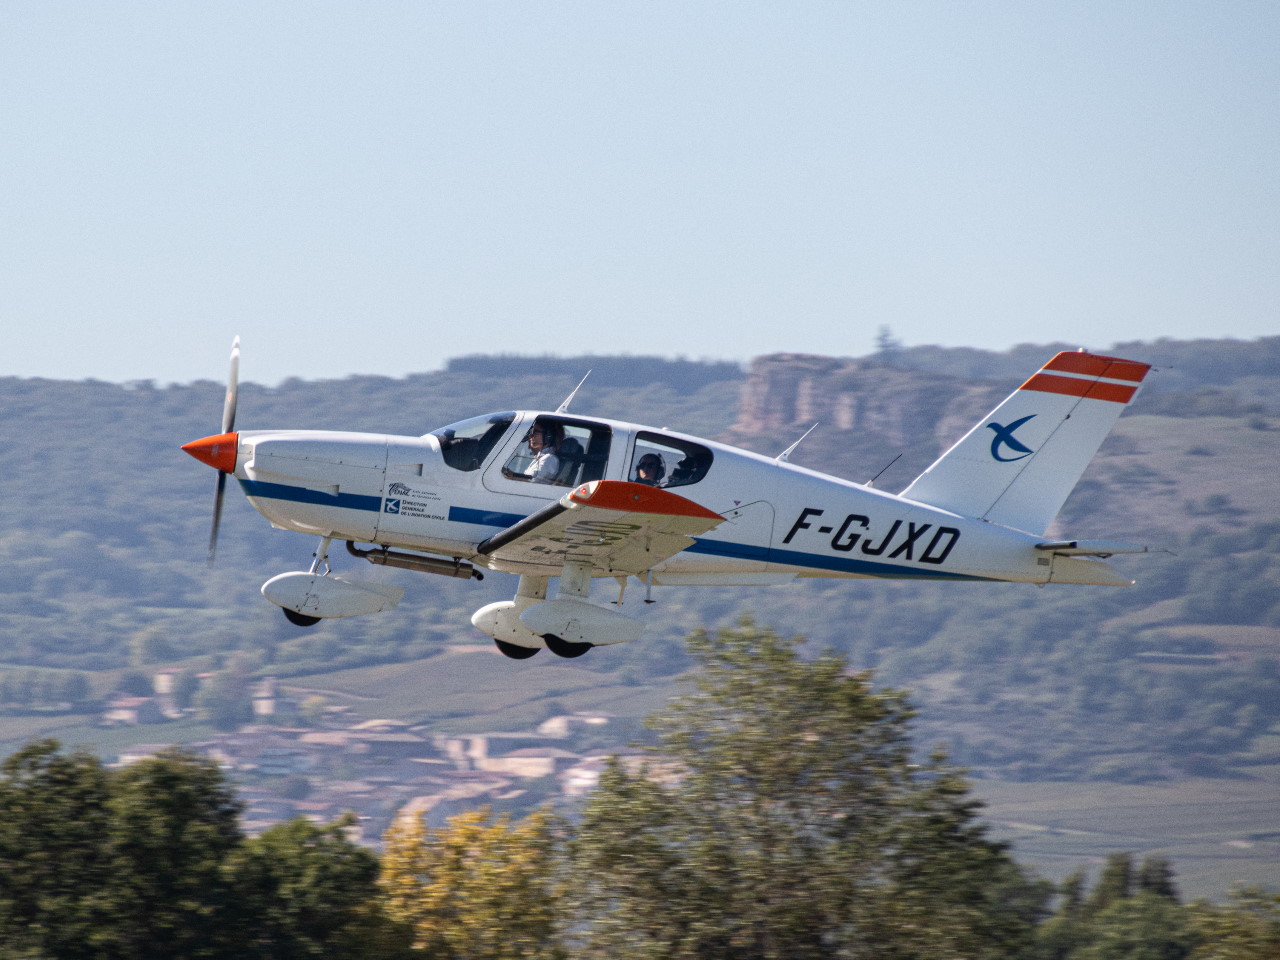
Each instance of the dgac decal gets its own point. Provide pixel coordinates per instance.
(852, 533)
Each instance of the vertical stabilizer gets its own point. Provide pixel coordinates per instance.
(1017, 466)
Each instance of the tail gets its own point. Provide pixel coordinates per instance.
(1018, 465)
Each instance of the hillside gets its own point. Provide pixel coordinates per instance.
(104, 522)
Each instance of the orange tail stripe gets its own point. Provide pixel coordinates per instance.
(1092, 365)
(1115, 392)
(1074, 387)
(1085, 363)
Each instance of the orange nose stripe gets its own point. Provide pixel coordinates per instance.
(218, 452)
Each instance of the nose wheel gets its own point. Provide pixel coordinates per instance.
(300, 619)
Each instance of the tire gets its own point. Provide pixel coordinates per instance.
(514, 650)
(565, 648)
(300, 619)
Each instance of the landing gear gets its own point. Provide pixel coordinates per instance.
(320, 565)
(300, 619)
(565, 648)
(514, 650)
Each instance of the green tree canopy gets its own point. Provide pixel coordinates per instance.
(149, 861)
(788, 819)
(1248, 928)
(305, 891)
(54, 866)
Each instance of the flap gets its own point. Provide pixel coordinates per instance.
(616, 526)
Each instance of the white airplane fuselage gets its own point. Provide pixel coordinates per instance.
(782, 521)
(554, 495)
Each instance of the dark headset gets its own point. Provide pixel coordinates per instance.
(654, 461)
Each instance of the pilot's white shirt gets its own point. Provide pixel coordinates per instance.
(544, 467)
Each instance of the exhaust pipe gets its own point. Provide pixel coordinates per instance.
(412, 561)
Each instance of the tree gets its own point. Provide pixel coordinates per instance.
(74, 687)
(1145, 926)
(185, 686)
(173, 823)
(1114, 884)
(1248, 928)
(1131, 914)
(789, 820)
(149, 861)
(1155, 876)
(307, 891)
(135, 683)
(53, 866)
(476, 888)
(313, 708)
(149, 645)
(224, 701)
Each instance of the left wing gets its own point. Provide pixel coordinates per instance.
(616, 526)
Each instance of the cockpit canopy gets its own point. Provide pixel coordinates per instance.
(565, 451)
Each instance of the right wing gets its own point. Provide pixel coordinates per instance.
(616, 526)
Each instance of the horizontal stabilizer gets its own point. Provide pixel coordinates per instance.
(1090, 548)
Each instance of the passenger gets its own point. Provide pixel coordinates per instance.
(684, 472)
(543, 440)
(650, 470)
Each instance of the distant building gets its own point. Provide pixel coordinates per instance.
(139, 751)
(164, 679)
(564, 725)
(127, 711)
(530, 762)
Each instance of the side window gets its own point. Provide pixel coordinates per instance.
(560, 452)
(465, 444)
(662, 461)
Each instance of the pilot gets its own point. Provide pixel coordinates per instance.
(650, 470)
(543, 440)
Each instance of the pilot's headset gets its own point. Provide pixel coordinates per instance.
(654, 462)
(552, 432)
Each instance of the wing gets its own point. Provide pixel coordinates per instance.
(616, 526)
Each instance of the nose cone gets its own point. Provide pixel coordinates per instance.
(218, 452)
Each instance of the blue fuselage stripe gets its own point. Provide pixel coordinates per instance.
(283, 491)
(712, 548)
(487, 518)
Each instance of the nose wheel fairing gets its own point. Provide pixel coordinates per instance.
(313, 594)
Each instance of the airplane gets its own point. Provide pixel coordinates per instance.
(553, 495)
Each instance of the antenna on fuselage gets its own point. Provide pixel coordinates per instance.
(872, 481)
(569, 399)
(785, 455)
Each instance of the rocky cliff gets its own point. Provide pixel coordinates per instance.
(874, 411)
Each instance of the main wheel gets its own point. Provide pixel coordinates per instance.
(565, 648)
(514, 650)
(301, 619)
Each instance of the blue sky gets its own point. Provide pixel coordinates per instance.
(376, 187)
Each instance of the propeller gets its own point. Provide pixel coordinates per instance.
(228, 425)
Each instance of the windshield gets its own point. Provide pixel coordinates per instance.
(465, 444)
